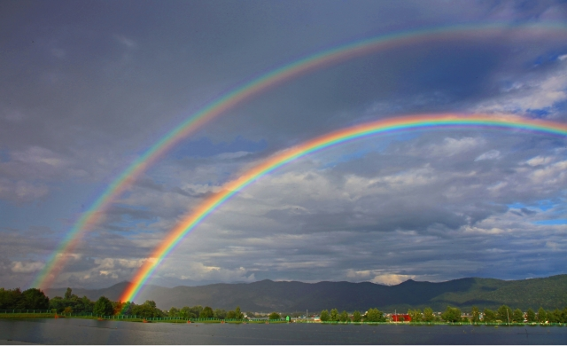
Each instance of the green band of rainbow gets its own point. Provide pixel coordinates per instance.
(284, 157)
(89, 219)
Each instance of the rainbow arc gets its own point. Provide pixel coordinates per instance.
(399, 124)
(257, 86)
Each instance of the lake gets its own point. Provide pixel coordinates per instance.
(79, 331)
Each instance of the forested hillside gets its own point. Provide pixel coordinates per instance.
(266, 295)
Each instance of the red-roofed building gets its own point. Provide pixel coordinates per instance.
(401, 318)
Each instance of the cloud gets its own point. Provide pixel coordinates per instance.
(196, 271)
(489, 155)
(21, 191)
(539, 160)
(26, 267)
(391, 279)
(453, 146)
(530, 92)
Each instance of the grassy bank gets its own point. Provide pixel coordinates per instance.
(142, 320)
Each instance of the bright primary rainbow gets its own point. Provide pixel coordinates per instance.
(57, 260)
(378, 127)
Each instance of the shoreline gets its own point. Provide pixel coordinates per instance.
(23, 316)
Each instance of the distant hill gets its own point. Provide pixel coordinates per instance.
(289, 296)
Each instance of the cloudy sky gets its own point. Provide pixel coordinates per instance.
(88, 86)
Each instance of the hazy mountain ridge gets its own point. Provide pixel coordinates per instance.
(290, 296)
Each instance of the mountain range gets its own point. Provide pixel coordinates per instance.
(290, 296)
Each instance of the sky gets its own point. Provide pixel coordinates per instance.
(88, 86)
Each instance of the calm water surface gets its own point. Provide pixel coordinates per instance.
(77, 331)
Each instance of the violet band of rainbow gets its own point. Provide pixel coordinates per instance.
(399, 124)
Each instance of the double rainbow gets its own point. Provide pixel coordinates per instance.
(256, 86)
(278, 160)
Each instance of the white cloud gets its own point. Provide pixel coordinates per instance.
(358, 274)
(489, 155)
(528, 93)
(391, 279)
(553, 174)
(113, 263)
(540, 160)
(196, 271)
(26, 267)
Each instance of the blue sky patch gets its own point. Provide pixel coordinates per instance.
(551, 222)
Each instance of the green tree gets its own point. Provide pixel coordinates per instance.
(324, 316)
(196, 311)
(415, 315)
(563, 316)
(207, 312)
(173, 312)
(68, 310)
(127, 308)
(452, 314)
(356, 316)
(504, 313)
(103, 307)
(144, 311)
(531, 316)
(57, 303)
(68, 293)
(474, 314)
(488, 315)
(147, 310)
(542, 315)
(184, 313)
(220, 314)
(231, 315)
(34, 298)
(518, 316)
(10, 299)
(344, 316)
(87, 305)
(428, 315)
(238, 313)
(334, 315)
(375, 315)
(555, 316)
(274, 316)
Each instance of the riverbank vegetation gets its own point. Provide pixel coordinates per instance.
(451, 315)
(34, 303)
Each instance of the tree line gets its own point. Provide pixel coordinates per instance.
(452, 314)
(35, 299)
(504, 314)
(372, 315)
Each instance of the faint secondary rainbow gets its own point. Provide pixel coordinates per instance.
(398, 124)
(88, 219)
